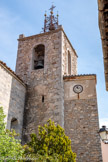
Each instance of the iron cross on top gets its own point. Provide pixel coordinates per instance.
(52, 7)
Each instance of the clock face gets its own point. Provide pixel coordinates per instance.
(78, 88)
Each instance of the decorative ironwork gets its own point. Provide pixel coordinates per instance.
(51, 22)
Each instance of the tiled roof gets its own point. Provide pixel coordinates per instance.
(68, 76)
(11, 71)
(81, 76)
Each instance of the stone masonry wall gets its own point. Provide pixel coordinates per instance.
(5, 90)
(67, 47)
(12, 97)
(81, 118)
(47, 82)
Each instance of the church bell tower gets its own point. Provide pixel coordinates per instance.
(42, 60)
(47, 63)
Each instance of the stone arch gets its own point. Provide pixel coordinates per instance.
(38, 57)
(69, 63)
(14, 124)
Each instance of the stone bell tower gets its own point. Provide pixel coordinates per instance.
(47, 63)
(42, 60)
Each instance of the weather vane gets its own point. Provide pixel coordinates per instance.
(52, 7)
(51, 22)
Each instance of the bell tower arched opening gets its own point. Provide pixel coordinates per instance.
(38, 57)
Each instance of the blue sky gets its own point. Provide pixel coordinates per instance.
(80, 22)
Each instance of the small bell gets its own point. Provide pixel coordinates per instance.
(39, 65)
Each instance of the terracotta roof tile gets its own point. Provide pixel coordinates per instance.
(81, 76)
(78, 75)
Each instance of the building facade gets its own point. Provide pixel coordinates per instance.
(47, 86)
(12, 98)
(103, 26)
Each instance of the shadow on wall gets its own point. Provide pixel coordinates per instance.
(16, 106)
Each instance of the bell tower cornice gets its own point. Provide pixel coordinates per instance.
(60, 28)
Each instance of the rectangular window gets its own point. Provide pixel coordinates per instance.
(42, 98)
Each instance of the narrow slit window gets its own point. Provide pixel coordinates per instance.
(42, 98)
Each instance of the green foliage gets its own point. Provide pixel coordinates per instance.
(10, 148)
(50, 145)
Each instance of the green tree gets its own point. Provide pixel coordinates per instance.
(10, 148)
(51, 144)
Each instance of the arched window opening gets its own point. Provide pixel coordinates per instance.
(39, 57)
(69, 63)
(14, 124)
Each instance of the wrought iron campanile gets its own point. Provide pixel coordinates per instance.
(51, 22)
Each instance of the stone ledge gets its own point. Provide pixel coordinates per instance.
(80, 77)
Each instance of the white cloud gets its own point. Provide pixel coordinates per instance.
(103, 121)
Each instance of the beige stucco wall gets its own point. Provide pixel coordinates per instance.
(12, 97)
(104, 151)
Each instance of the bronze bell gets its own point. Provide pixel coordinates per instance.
(40, 64)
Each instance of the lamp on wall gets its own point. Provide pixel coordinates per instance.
(104, 134)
